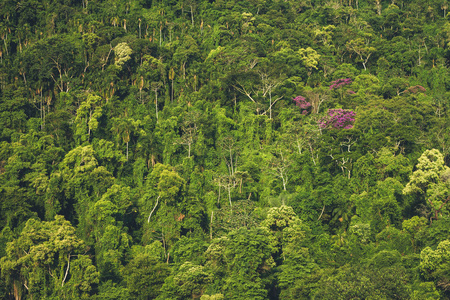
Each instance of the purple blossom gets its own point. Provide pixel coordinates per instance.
(338, 119)
(340, 83)
(301, 102)
(351, 92)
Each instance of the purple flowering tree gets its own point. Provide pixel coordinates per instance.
(337, 84)
(301, 102)
(338, 119)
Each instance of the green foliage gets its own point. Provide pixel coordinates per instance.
(144, 276)
(347, 283)
(430, 167)
(188, 282)
(242, 262)
(122, 54)
(88, 114)
(166, 135)
(41, 258)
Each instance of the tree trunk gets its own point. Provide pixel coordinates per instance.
(16, 292)
(210, 225)
(323, 209)
(231, 163)
(270, 107)
(171, 100)
(156, 104)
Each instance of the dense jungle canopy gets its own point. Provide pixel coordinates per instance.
(224, 149)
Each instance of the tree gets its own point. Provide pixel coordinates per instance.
(434, 264)
(310, 58)
(338, 119)
(145, 275)
(316, 97)
(124, 128)
(413, 226)
(110, 239)
(155, 86)
(263, 85)
(293, 259)
(279, 166)
(154, 72)
(229, 218)
(47, 260)
(53, 59)
(122, 54)
(165, 188)
(77, 186)
(432, 180)
(189, 281)
(186, 52)
(171, 78)
(361, 47)
(88, 114)
(363, 282)
(189, 130)
(245, 255)
(228, 146)
(269, 83)
(26, 165)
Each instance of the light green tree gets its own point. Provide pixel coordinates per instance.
(361, 47)
(310, 58)
(296, 263)
(87, 117)
(122, 54)
(434, 264)
(47, 260)
(431, 179)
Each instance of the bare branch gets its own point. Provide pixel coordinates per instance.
(157, 200)
(67, 270)
(273, 103)
(107, 57)
(323, 209)
(242, 90)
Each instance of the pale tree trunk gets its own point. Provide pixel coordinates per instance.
(171, 100)
(312, 153)
(16, 292)
(156, 105)
(231, 163)
(270, 107)
(284, 179)
(299, 147)
(378, 6)
(42, 110)
(160, 35)
(211, 225)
